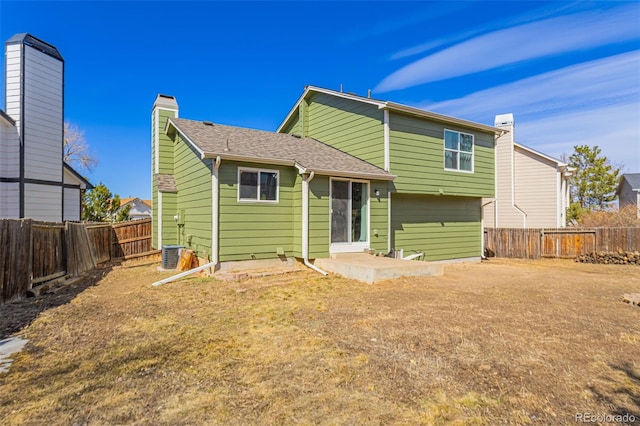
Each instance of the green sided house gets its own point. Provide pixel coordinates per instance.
(232, 193)
(443, 165)
(343, 174)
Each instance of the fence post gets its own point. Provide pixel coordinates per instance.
(30, 266)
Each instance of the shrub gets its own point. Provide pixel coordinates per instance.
(623, 217)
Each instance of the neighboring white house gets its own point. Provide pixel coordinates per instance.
(532, 189)
(74, 188)
(34, 180)
(629, 191)
(140, 209)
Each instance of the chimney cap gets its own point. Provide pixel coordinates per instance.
(166, 101)
(503, 120)
(29, 40)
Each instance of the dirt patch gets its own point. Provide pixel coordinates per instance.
(14, 316)
(513, 342)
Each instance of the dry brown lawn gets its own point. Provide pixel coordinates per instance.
(501, 342)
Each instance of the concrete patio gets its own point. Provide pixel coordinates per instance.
(370, 269)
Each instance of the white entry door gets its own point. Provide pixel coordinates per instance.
(349, 216)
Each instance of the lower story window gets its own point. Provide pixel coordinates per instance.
(257, 185)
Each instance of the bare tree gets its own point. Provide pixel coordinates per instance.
(76, 150)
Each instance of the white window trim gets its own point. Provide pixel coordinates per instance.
(360, 245)
(247, 200)
(473, 151)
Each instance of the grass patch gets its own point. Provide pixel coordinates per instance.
(500, 342)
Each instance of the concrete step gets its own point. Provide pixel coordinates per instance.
(371, 269)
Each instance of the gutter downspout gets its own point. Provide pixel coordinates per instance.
(215, 211)
(482, 256)
(387, 167)
(214, 230)
(184, 274)
(305, 223)
(513, 186)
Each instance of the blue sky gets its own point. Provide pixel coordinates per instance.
(568, 71)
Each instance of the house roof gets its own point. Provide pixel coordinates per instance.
(560, 163)
(259, 146)
(81, 179)
(633, 179)
(8, 121)
(165, 182)
(391, 106)
(127, 200)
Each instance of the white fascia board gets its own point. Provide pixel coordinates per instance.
(345, 95)
(293, 110)
(192, 143)
(327, 92)
(353, 175)
(540, 154)
(439, 117)
(248, 159)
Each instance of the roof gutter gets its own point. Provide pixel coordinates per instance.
(370, 176)
(440, 117)
(247, 159)
(300, 167)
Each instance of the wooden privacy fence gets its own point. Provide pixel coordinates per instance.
(534, 243)
(33, 252)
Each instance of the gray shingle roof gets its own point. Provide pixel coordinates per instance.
(165, 183)
(633, 179)
(274, 148)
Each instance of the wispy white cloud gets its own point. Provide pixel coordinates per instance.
(532, 15)
(594, 103)
(534, 40)
(615, 129)
(422, 16)
(606, 81)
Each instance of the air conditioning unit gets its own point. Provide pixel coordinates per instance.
(171, 256)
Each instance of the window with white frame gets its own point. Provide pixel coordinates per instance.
(258, 185)
(458, 151)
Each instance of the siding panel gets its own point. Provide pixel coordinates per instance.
(13, 69)
(194, 200)
(43, 202)
(9, 152)
(72, 204)
(319, 219)
(255, 230)
(417, 158)
(536, 181)
(440, 227)
(43, 103)
(9, 200)
(350, 126)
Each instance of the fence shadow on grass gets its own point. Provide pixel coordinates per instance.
(623, 396)
(14, 316)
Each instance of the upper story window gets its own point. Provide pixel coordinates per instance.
(258, 185)
(458, 151)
